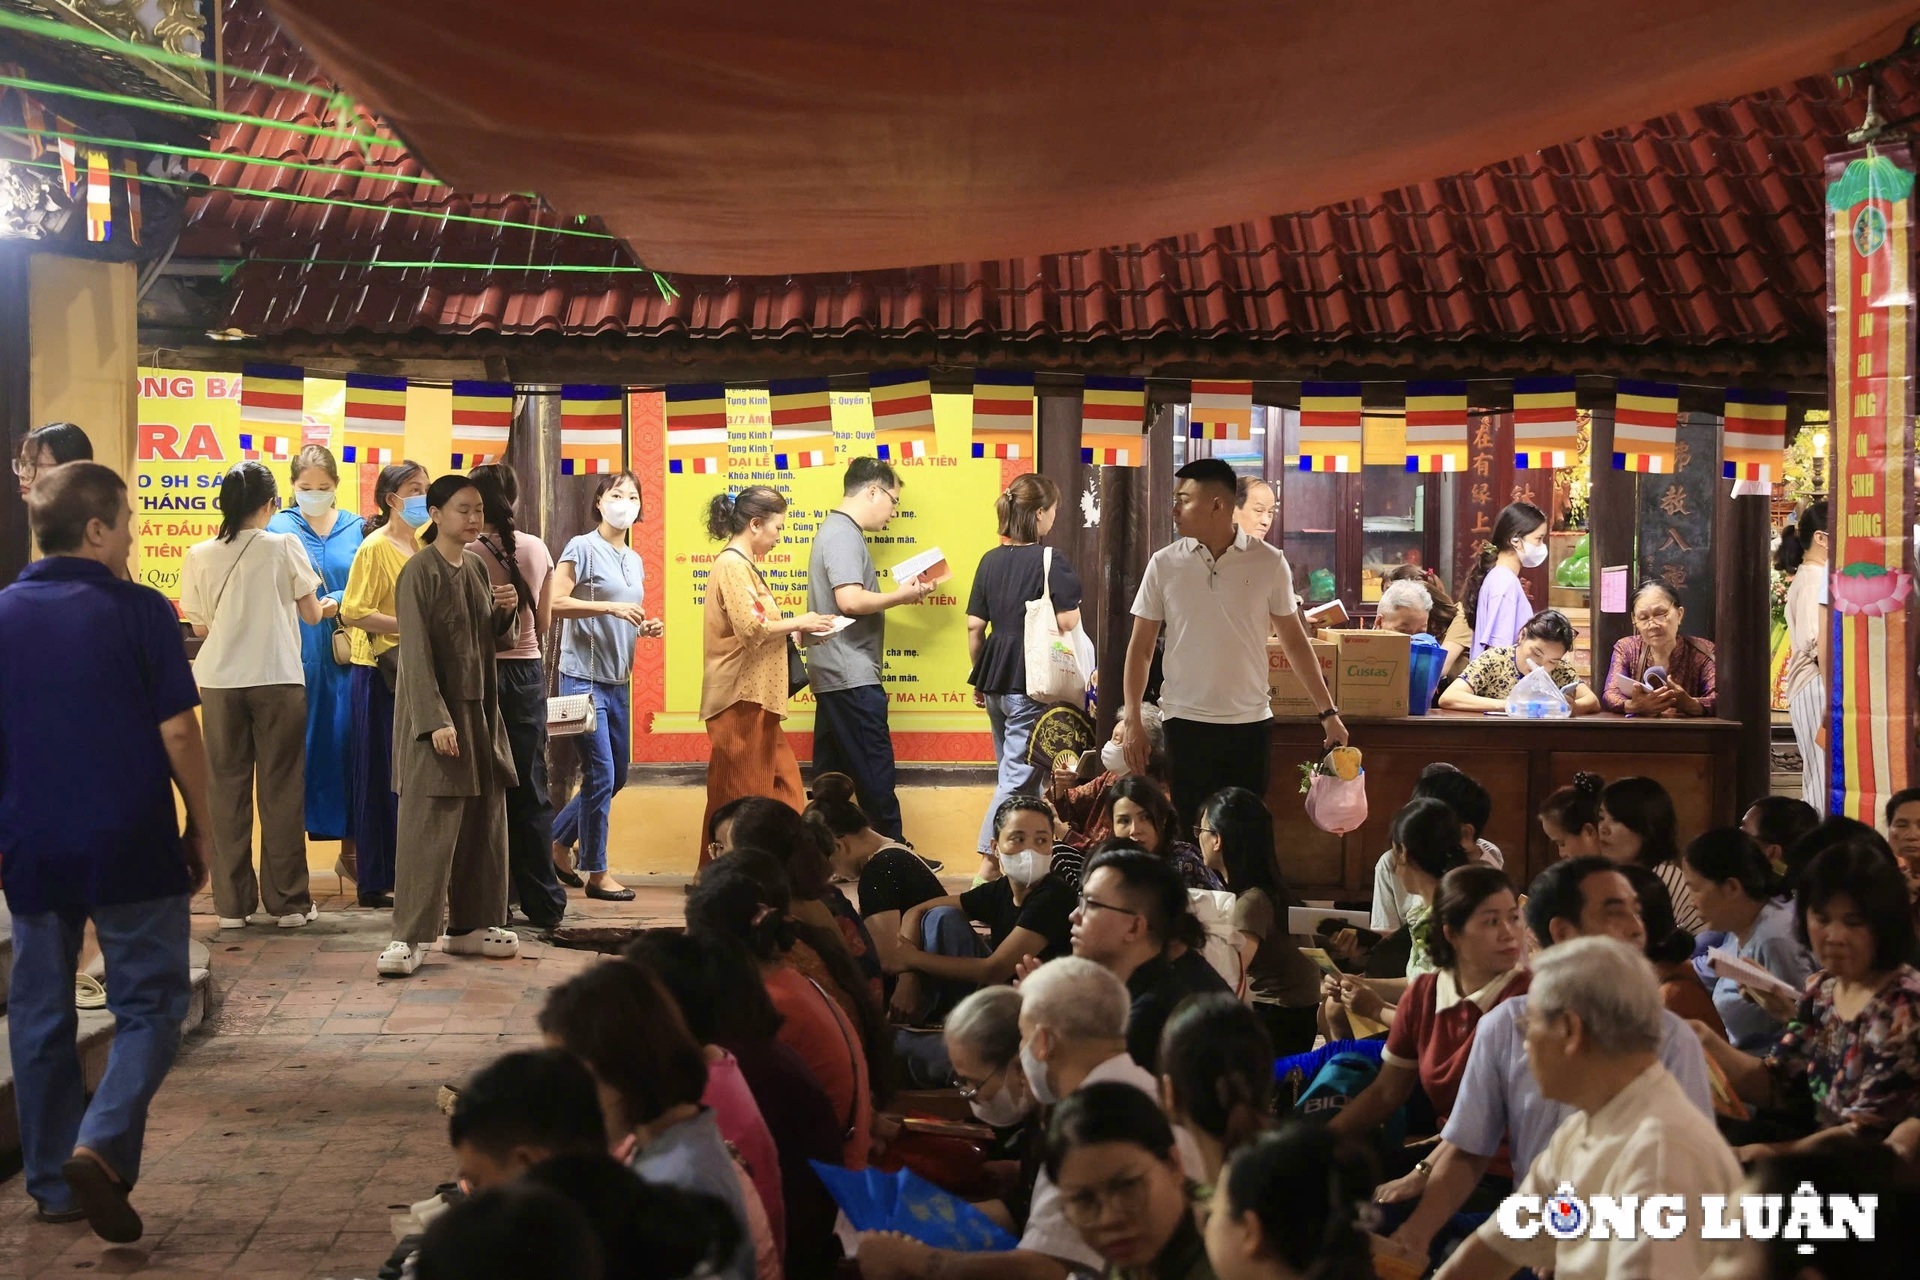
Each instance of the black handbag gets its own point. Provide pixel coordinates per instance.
(796, 667)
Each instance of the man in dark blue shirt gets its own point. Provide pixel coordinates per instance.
(97, 729)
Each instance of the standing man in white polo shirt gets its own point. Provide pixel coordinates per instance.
(1218, 593)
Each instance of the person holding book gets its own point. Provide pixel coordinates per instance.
(1734, 887)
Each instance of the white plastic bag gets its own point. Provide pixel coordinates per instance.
(1214, 909)
(1053, 667)
(1537, 697)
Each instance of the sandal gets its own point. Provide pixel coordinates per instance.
(88, 993)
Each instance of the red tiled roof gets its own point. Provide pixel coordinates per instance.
(1699, 228)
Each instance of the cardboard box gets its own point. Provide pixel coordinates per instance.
(1284, 688)
(1375, 671)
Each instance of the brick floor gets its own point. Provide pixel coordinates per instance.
(304, 1117)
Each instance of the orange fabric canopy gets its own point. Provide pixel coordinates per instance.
(761, 138)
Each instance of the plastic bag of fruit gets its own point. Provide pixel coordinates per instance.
(1336, 791)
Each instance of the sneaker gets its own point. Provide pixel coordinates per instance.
(400, 959)
(299, 919)
(233, 922)
(493, 942)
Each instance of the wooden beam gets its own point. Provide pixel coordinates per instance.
(1612, 516)
(1742, 587)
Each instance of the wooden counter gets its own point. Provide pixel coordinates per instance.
(1519, 762)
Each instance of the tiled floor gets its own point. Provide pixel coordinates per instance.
(304, 1116)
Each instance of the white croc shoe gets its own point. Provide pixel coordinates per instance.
(300, 919)
(400, 959)
(233, 922)
(492, 942)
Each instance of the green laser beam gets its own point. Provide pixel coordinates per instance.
(397, 265)
(199, 113)
(48, 29)
(201, 153)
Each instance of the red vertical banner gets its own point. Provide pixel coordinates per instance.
(1870, 280)
(647, 457)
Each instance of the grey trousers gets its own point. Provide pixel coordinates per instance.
(450, 862)
(257, 741)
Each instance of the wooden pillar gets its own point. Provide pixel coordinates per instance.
(1742, 635)
(1612, 508)
(1073, 537)
(1124, 548)
(16, 403)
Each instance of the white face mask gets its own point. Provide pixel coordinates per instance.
(1113, 758)
(1533, 554)
(313, 502)
(1027, 866)
(619, 512)
(1036, 1073)
(1006, 1108)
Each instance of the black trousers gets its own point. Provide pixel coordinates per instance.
(523, 708)
(850, 736)
(1204, 758)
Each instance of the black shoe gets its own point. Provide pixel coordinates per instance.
(609, 895)
(62, 1217)
(103, 1202)
(376, 901)
(571, 879)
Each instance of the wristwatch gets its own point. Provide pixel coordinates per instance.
(1329, 714)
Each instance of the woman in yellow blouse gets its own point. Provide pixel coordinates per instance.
(743, 691)
(368, 608)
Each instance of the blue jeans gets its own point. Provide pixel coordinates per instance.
(145, 948)
(604, 753)
(1011, 717)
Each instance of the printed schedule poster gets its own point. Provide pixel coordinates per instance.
(188, 438)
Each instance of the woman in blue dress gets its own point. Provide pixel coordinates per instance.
(330, 536)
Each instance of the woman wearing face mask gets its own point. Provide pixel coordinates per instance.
(1025, 910)
(369, 609)
(453, 764)
(1681, 682)
(1494, 601)
(1110, 1153)
(330, 538)
(1544, 641)
(1138, 810)
(982, 1037)
(600, 592)
(247, 591)
(1085, 806)
(1803, 553)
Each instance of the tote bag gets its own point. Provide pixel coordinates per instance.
(1053, 668)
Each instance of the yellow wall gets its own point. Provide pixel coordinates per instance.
(85, 355)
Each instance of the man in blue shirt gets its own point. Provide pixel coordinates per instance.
(97, 729)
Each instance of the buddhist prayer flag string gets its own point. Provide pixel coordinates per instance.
(1002, 414)
(1220, 409)
(1331, 430)
(1112, 422)
(375, 425)
(482, 421)
(902, 415)
(697, 429)
(272, 395)
(1754, 446)
(1646, 426)
(592, 437)
(99, 197)
(264, 448)
(801, 411)
(1436, 426)
(1546, 424)
(69, 156)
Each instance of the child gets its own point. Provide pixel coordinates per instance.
(1571, 816)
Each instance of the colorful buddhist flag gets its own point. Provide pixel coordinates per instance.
(482, 421)
(1436, 426)
(1220, 410)
(1546, 424)
(591, 420)
(1754, 442)
(697, 429)
(99, 197)
(264, 448)
(1112, 422)
(902, 415)
(1646, 426)
(273, 395)
(69, 156)
(1331, 428)
(801, 411)
(374, 427)
(33, 118)
(133, 200)
(1002, 414)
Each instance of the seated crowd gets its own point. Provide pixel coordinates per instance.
(1168, 1082)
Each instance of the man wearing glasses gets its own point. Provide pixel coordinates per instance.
(850, 731)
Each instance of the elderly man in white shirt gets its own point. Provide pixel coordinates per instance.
(1593, 1030)
(1218, 593)
(1073, 1033)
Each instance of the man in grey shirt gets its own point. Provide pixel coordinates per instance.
(850, 732)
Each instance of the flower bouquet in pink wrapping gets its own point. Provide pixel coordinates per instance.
(1870, 589)
(1336, 791)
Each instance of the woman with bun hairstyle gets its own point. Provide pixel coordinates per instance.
(745, 639)
(890, 878)
(1570, 816)
(1803, 553)
(1493, 598)
(1294, 1204)
(247, 591)
(1008, 579)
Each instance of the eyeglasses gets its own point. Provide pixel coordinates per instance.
(893, 499)
(1090, 905)
(970, 1089)
(24, 470)
(1659, 616)
(1125, 1197)
(1205, 831)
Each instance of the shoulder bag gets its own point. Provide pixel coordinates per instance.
(796, 665)
(572, 714)
(1053, 668)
